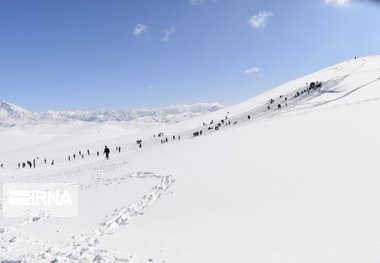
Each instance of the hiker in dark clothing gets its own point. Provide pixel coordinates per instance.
(119, 149)
(45, 161)
(97, 153)
(69, 158)
(107, 152)
(19, 165)
(88, 152)
(34, 163)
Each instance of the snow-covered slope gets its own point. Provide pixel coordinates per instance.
(292, 184)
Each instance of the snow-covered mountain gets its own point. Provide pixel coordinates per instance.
(10, 111)
(297, 183)
(171, 114)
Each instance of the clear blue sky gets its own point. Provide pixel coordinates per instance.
(123, 54)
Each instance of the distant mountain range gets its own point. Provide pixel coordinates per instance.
(10, 113)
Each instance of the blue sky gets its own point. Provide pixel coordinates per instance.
(123, 54)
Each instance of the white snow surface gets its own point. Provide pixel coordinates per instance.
(295, 184)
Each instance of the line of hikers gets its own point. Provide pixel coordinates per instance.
(32, 164)
(166, 140)
(308, 89)
(80, 154)
(224, 122)
(284, 102)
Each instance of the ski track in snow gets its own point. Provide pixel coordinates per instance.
(84, 248)
(98, 180)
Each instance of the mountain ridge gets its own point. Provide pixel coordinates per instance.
(170, 114)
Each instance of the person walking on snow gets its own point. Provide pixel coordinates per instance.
(107, 152)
